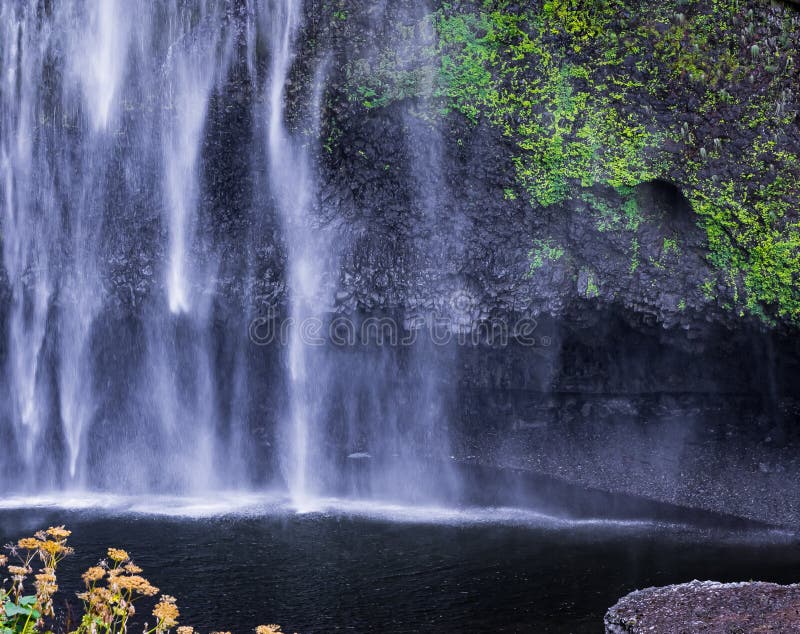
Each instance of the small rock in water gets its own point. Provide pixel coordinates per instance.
(361, 455)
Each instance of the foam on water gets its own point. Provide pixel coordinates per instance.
(277, 503)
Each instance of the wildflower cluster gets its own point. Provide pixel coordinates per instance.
(113, 586)
(35, 560)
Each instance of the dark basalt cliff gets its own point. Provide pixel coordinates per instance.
(616, 155)
(622, 175)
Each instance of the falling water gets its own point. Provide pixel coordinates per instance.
(126, 359)
(104, 105)
(290, 180)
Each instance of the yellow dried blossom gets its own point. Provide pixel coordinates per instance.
(3, 560)
(29, 543)
(96, 597)
(185, 629)
(94, 574)
(100, 601)
(46, 576)
(52, 548)
(59, 532)
(118, 555)
(46, 589)
(132, 568)
(136, 584)
(19, 570)
(269, 629)
(166, 612)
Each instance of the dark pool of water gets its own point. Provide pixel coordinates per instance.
(343, 573)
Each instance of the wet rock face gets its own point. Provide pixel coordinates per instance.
(440, 196)
(423, 207)
(426, 218)
(709, 607)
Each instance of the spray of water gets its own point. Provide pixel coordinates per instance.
(119, 371)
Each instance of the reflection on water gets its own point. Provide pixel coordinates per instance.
(339, 571)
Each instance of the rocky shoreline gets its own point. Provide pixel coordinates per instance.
(709, 607)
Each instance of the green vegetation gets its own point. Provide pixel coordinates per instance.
(566, 131)
(542, 251)
(591, 290)
(625, 216)
(634, 256)
(701, 93)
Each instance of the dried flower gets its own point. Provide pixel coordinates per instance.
(45, 589)
(98, 603)
(132, 568)
(185, 629)
(59, 532)
(19, 570)
(269, 629)
(94, 574)
(96, 596)
(29, 543)
(166, 612)
(3, 560)
(53, 548)
(118, 555)
(47, 575)
(135, 583)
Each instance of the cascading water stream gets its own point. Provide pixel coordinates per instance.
(104, 106)
(293, 189)
(132, 250)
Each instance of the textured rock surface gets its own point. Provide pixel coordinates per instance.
(667, 227)
(653, 373)
(660, 265)
(709, 607)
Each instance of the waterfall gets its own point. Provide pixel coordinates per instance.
(158, 168)
(290, 182)
(292, 187)
(104, 107)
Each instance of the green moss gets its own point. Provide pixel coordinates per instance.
(670, 246)
(558, 78)
(543, 251)
(634, 255)
(611, 215)
(592, 290)
(568, 133)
